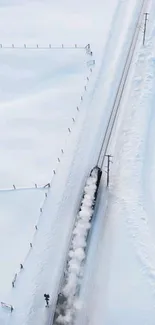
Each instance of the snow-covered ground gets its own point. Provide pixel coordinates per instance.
(40, 90)
(108, 27)
(119, 284)
(39, 94)
(20, 213)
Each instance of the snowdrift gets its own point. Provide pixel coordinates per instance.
(67, 301)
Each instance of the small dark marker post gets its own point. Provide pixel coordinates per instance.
(47, 185)
(47, 297)
(108, 168)
(145, 24)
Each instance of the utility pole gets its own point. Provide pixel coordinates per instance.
(145, 23)
(108, 168)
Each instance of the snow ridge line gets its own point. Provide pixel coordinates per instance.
(67, 302)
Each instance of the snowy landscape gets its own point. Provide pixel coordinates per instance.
(64, 68)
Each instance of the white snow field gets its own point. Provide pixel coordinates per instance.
(28, 91)
(39, 95)
(41, 89)
(118, 287)
(19, 215)
(109, 27)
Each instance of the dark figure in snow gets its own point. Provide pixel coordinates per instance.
(11, 309)
(21, 266)
(13, 284)
(47, 297)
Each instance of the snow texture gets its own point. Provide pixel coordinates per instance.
(108, 26)
(119, 279)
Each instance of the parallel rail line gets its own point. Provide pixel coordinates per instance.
(120, 90)
(111, 120)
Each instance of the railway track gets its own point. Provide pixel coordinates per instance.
(111, 121)
(120, 90)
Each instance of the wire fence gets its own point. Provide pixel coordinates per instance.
(45, 47)
(69, 129)
(47, 186)
(31, 243)
(24, 188)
